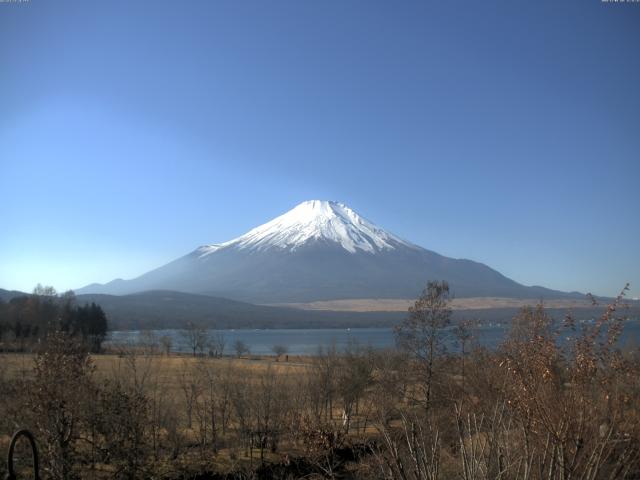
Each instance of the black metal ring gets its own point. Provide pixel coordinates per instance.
(11, 475)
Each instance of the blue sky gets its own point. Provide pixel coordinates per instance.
(505, 132)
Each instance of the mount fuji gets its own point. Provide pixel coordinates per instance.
(319, 250)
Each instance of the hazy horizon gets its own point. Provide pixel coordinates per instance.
(132, 133)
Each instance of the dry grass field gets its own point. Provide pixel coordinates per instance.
(166, 371)
(401, 305)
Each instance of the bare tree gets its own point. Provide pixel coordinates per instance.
(211, 410)
(354, 375)
(148, 341)
(62, 381)
(412, 451)
(190, 386)
(322, 383)
(241, 348)
(196, 337)
(166, 343)
(124, 424)
(269, 410)
(463, 336)
(46, 291)
(420, 333)
(217, 343)
(279, 350)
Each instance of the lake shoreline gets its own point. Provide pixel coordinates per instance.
(308, 341)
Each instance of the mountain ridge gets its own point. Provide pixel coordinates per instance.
(320, 250)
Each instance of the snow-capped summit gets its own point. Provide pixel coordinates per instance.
(313, 221)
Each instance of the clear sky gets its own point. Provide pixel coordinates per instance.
(507, 132)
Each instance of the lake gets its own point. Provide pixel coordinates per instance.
(308, 341)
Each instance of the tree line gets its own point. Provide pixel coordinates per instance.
(27, 319)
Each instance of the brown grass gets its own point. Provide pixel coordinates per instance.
(401, 305)
(166, 367)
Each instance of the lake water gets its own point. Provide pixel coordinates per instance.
(308, 341)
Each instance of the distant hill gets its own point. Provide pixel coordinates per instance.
(168, 309)
(321, 251)
(6, 295)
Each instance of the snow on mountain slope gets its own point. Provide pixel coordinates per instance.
(314, 220)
